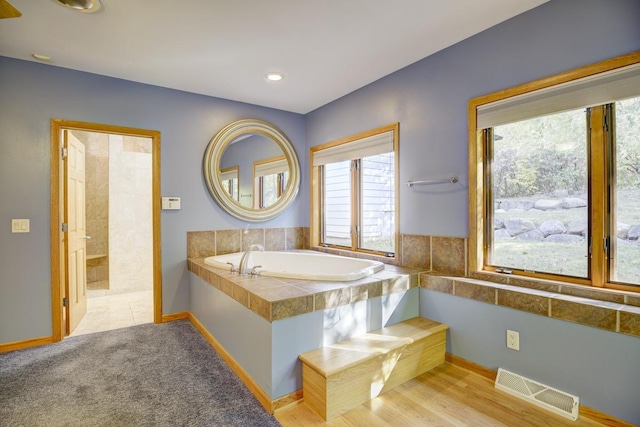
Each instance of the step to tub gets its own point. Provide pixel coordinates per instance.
(344, 375)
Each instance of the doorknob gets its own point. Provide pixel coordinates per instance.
(86, 237)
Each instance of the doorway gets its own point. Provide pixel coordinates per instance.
(108, 273)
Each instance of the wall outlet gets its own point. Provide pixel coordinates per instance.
(513, 340)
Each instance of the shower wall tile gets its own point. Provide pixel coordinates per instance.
(96, 206)
(130, 208)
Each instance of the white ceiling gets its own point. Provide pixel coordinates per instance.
(223, 48)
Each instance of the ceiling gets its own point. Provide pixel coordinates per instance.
(325, 48)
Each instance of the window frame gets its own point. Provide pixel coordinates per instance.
(316, 194)
(599, 172)
(258, 179)
(235, 181)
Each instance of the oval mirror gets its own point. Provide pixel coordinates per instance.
(251, 170)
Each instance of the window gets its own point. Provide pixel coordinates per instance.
(270, 179)
(354, 192)
(230, 181)
(556, 168)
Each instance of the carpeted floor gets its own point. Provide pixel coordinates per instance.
(147, 375)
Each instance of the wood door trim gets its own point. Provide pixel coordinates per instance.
(58, 267)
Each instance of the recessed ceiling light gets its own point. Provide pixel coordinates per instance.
(41, 57)
(274, 76)
(86, 6)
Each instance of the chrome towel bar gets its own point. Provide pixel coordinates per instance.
(450, 180)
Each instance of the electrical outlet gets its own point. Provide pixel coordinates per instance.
(513, 340)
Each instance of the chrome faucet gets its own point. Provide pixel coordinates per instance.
(244, 261)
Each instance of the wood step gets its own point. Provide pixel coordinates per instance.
(341, 376)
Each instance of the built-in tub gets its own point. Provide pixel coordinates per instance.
(308, 265)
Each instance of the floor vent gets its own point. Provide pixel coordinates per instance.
(539, 394)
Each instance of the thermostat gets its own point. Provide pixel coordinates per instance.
(171, 203)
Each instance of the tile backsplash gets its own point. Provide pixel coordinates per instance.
(201, 244)
(442, 254)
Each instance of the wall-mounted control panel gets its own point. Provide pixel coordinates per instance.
(171, 203)
(20, 225)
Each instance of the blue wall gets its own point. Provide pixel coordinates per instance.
(30, 96)
(428, 98)
(602, 368)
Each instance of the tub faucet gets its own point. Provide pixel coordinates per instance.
(244, 261)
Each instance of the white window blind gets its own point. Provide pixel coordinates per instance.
(370, 146)
(598, 89)
(271, 168)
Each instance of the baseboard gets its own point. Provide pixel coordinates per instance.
(287, 400)
(175, 316)
(34, 342)
(584, 411)
(263, 398)
(19, 345)
(470, 366)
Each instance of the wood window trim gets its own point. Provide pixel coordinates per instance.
(477, 185)
(316, 179)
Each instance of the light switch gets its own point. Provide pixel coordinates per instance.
(171, 203)
(20, 225)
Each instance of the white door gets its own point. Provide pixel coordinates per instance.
(74, 171)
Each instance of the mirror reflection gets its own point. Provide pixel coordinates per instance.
(251, 170)
(254, 171)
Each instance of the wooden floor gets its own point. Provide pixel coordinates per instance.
(445, 396)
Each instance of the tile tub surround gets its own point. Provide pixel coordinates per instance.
(444, 254)
(201, 244)
(274, 299)
(443, 262)
(613, 311)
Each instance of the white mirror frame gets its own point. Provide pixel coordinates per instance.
(213, 156)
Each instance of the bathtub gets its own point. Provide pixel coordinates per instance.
(308, 265)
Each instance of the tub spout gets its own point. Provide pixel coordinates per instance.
(244, 261)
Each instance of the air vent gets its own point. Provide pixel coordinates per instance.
(539, 394)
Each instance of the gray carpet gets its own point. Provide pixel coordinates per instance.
(147, 375)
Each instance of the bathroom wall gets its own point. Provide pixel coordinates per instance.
(429, 99)
(130, 214)
(97, 207)
(32, 94)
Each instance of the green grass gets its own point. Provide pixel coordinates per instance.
(570, 258)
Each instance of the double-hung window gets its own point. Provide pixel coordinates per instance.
(354, 192)
(270, 178)
(230, 181)
(555, 177)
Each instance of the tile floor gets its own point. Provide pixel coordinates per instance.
(105, 313)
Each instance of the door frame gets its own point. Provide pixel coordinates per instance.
(58, 264)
